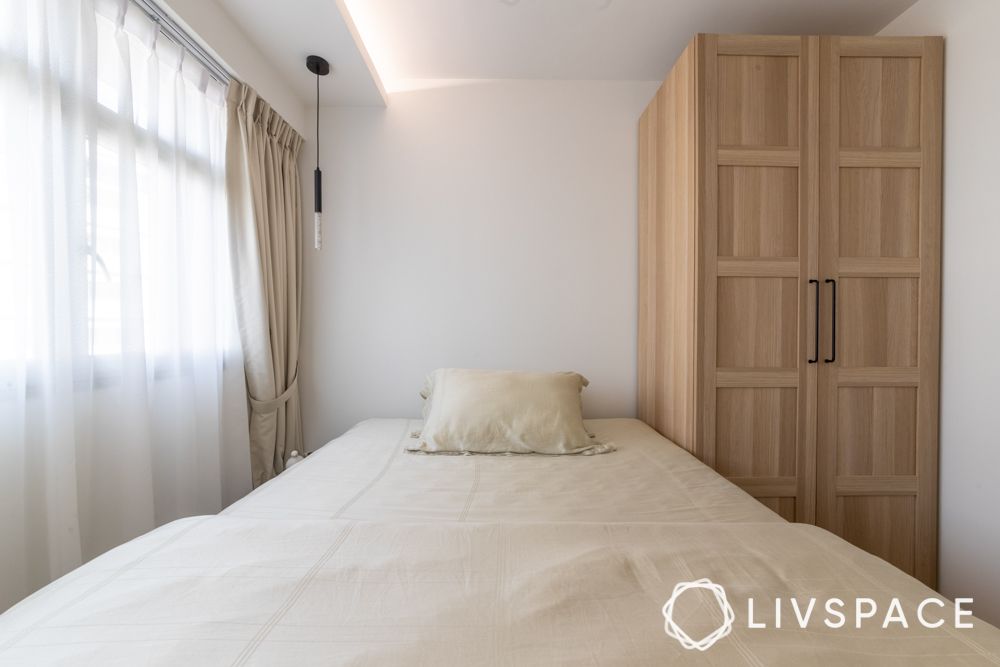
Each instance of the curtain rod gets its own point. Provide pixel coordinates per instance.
(175, 33)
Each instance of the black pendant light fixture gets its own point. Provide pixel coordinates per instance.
(320, 67)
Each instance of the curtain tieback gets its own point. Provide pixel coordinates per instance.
(276, 402)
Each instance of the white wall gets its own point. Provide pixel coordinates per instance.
(970, 367)
(479, 224)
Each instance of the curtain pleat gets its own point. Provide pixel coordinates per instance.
(265, 205)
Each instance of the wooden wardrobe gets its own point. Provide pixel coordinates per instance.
(789, 277)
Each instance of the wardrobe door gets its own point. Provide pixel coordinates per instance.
(880, 231)
(757, 202)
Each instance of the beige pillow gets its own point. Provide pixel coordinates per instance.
(493, 412)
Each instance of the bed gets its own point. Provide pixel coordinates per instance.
(366, 554)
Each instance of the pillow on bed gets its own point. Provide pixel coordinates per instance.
(495, 412)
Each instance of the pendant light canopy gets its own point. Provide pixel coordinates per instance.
(320, 67)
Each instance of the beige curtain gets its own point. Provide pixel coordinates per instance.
(265, 217)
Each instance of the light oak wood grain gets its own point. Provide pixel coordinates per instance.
(764, 487)
(809, 250)
(879, 102)
(887, 47)
(877, 431)
(757, 432)
(666, 372)
(878, 321)
(758, 157)
(758, 100)
(931, 142)
(709, 104)
(883, 525)
(754, 377)
(807, 158)
(880, 267)
(878, 377)
(757, 322)
(880, 238)
(880, 157)
(880, 485)
(758, 45)
(879, 212)
(751, 136)
(829, 228)
(782, 506)
(758, 212)
(759, 266)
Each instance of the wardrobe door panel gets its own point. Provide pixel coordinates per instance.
(757, 432)
(877, 431)
(881, 525)
(758, 242)
(879, 212)
(879, 321)
(758, 100)
(757, 322)
(880, 189)
(758, 212)
(879, 102)
(782, 506)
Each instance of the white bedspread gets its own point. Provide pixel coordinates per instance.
(367, 475)
(365, 555)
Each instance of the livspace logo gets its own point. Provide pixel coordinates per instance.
(706, 642)
(929, 613)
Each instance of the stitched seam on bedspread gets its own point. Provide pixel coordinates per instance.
(101, 584)
(292, 598)
(381, 473)
(680, 487)
(472, 492)
(741, 645)
(501, 611)
(972, 644)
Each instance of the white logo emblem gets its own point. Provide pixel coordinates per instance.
(706, 642)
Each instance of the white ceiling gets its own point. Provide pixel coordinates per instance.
(580, 39)
(286, 31)
(515, 39)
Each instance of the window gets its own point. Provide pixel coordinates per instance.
(131, 181)
(116, 311)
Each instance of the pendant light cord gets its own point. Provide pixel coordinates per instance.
(317, 121)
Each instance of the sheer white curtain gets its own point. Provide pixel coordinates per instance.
(122, 399)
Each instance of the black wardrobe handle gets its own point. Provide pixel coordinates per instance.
(815, 357)
(833, 330)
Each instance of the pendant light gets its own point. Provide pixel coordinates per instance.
(320, 67)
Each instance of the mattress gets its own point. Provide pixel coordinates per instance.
(367, 475)
(366, 555)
